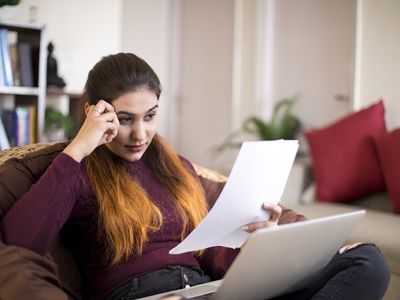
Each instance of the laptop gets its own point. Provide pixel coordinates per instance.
(276, 261)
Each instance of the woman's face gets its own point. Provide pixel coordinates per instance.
(137, 115)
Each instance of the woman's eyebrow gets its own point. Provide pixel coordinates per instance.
(131, 114)
(153, 108)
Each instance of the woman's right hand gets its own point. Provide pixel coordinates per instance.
(100, 127)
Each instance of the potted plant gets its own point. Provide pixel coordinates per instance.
(9, 2)
(282, 125)
(57, 126)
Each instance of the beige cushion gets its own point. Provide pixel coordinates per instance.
(380, 228)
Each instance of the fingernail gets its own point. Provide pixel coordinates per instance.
(245, 227)
(266, 205)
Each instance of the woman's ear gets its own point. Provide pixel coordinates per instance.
(87, 107)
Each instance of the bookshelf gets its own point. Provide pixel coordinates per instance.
(23, 76)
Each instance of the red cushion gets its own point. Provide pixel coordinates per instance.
(388, 146)
(345, 161)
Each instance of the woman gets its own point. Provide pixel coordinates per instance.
(122, 198)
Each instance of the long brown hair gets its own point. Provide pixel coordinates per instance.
(126, 214)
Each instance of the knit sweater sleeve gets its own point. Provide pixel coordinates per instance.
(36, 218)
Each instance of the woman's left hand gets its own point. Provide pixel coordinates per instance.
(275, 213)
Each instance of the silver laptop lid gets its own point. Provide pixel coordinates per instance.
(279, 260)
(276, 261)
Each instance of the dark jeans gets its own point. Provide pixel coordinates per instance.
(359, 273)
(165, 280)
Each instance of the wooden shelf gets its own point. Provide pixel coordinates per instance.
(19, 90)
(53, 91)
(20, 25)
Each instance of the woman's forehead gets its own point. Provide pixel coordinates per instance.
(137, 102)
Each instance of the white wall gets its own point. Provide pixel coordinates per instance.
(314, 44)
(146, 31)
(207, 56)
(244, 62)
(379, 50)
(82, 32)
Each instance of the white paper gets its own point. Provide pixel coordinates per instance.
(259, 175)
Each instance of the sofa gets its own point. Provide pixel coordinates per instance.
(354, 163)
(380, 226)
(55, 276)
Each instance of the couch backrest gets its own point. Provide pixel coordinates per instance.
(20, 167)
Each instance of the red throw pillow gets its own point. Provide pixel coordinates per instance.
(345, 161)
(388, 146)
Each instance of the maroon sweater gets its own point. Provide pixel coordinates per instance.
(62, 201)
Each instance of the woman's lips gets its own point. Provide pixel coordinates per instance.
(135, 148)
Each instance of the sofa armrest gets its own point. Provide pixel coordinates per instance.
(28, 275)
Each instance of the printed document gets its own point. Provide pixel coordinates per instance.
(259, 175)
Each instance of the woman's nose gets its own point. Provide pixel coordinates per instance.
(138, 131)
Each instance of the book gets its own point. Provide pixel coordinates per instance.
(14, 63)
(4, 143)
(20, 125)
(2, 83)
(32, 124)
(25, 64)
(9, 118)
(26, 124)
(6, 58)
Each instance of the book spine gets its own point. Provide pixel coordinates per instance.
(14, 63)
(25, 64)
(32, 124)
(23, 136)
(2, 70)
(10, 124)
(8, 74)
(4, 143)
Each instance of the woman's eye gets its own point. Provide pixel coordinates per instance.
(149, 117)
(124, 120)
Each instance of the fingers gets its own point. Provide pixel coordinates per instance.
(101, 126)
(348, 247)
(251, 227)
(108, 125)
(107, 116)
(111, 133)
(275, 212)
(173, 297)
(104, 113)
(102, 107)
(113, 130)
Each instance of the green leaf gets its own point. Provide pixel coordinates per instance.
(55, 119)
(283, 125)
(9, 2)
(259, 128)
